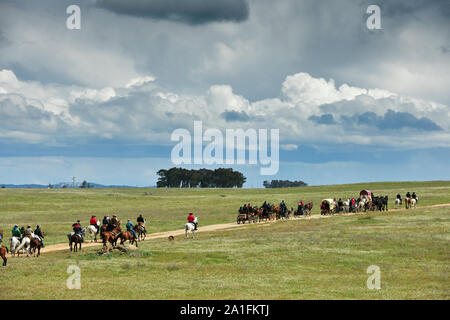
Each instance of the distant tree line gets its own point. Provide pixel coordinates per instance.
(283, 184)
(202, 178)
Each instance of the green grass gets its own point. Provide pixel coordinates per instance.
(315, 259)
(301, 259)
(57, 209)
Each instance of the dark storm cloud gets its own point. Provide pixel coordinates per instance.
(186, 11)
(391, 120)
(234, 116)
(323, 119)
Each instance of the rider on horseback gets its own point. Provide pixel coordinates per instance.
(141, 221)
(16, 232)
(408, 195)
(414, 196)
(78, 229)
(283, 207)
(113, 222)
(28, 232)
(191, 219)
(130, 228)
(300, 207)
(93, 222)
(39, 235)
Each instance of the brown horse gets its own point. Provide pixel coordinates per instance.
(308, 208)
(128, 236)
(267, 215)
(110, 236)
(75, 239)
(35, 243)
(140, 231)
(407, 203)
(3, 252)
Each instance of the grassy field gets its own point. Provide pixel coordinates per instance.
(166, 209)
(301, 259)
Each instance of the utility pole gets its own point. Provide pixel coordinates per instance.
(73, 182)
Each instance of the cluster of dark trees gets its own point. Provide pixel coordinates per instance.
(202, 178)
(283, 184)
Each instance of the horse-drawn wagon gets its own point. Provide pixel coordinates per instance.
(245, 216)
(327, 206)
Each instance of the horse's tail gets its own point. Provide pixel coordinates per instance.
(7, 251)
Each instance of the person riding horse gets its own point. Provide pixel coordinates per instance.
(408, 195)
(114, 222)
(191, 219)
(130, 228)
(94, 222)
(414, 196)
(28, 232)
(340, 205)
(39, 235)
(399, 197)
(78, 230)
(300, 207)
(283, 207)
(16, 232)
(141, 221)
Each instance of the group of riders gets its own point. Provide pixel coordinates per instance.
(408, 196)
(26, 232)
(109, 224)
(267, 208)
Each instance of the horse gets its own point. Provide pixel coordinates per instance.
(76, 239)
(362, 205)
(413, 203)
(140, 231)
(127, 236)
(190, 227)
(307, 209)
(3, 252)
(14, 243)
(110, 236)
(267, 214)
(93, 231)
(398, 202)
(36, 244)
(408, 203)
(26, 241)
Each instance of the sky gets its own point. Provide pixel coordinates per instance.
(101, 102)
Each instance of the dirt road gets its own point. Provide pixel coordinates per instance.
(224, 226)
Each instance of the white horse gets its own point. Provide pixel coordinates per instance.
(14, 243)
(413, 203)
(26, 244)
(92, 231)
(362, 204)
(190, 227)
(398, 202)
